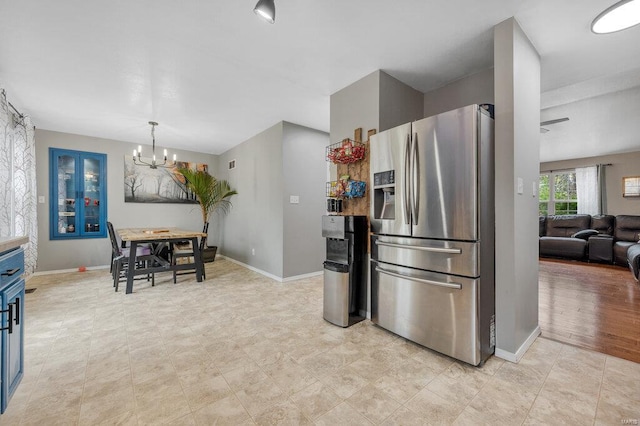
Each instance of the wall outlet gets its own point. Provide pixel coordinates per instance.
(294, 199)
(253, 252)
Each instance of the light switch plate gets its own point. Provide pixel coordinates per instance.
(294, 199)
(520, 186)
(41, 199)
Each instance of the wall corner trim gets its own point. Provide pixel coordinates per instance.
(516, 357)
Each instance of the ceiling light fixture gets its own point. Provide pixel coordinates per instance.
(622, 15)
(266, 9)
(137, 154)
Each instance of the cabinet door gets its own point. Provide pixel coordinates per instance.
(93, 219)
(12, 340)
(78, 194)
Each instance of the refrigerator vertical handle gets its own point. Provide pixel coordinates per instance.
(415, 181)
(406, 176)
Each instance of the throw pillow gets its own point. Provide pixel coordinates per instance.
(585, 234)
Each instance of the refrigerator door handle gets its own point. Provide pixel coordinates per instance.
(406, 194)
(415, 184)
(429, 249)
(456, 286)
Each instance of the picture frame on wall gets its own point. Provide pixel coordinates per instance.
(143, 184)
(631, 186)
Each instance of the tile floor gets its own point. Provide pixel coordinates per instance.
(242, 349)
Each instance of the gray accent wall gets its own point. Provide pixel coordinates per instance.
(627, 164)
(255, 221)
(284, 160)
(399, 103)
(517, 145)
(357, 105)
(71, 254)
(377, 101)
(477, 88)
(303, 151)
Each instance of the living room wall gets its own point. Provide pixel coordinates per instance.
(627, 164)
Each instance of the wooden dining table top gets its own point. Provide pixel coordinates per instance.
(155, 234)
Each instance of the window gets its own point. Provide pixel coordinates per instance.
(558, 194)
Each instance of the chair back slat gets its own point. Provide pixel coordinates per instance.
(114, 240)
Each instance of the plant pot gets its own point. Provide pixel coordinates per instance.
(209, 254)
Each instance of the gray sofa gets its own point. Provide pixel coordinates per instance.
(603, 238)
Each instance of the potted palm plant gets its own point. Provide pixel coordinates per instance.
(212, 196)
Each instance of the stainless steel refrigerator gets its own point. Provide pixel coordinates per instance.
(432, 222)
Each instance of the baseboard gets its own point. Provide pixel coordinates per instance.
(66, 271)
(516, 357)
(267, 274)
(303, 276)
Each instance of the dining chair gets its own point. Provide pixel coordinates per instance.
(181, 251)
(120, 258)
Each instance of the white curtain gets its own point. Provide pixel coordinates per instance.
(18, 214)
(588, 190)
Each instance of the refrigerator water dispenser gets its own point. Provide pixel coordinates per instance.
(384, 189)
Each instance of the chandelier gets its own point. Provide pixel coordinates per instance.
(137, 154)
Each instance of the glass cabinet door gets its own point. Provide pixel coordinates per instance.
(78, 191)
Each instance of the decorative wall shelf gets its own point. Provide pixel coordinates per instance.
(346, 188)
(346, 152)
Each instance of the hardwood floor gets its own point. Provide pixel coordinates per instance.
(592, 306)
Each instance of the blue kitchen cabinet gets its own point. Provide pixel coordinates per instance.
(78, 194)
(12, 303)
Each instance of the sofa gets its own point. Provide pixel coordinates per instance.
(603, 238)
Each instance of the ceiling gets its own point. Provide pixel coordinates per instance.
(213, 74)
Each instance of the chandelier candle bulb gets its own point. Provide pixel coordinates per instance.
(174, 158)
(153, 164)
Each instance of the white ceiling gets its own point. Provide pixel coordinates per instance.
(213, 74)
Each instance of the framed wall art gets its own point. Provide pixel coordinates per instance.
(631, 186)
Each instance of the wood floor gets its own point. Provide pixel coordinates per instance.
(592, 306)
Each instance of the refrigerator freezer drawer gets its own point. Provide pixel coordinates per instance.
(448, 257)
(435, 310)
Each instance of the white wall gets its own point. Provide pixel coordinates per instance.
(517, 118)
(477, 88)
(71, 254)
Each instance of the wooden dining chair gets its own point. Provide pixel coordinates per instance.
(120, 258)
(186, 251)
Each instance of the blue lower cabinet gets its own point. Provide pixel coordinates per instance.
(12, 287)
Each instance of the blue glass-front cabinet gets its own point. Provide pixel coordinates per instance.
(78, 199)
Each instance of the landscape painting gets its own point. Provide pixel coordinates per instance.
(142, 184)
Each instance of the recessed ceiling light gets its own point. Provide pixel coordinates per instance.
(620, 16)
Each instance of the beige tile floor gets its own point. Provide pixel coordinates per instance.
(242, 349)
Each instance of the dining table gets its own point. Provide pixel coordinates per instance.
(160, 237)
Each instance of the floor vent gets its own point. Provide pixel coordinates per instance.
(30, 290)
